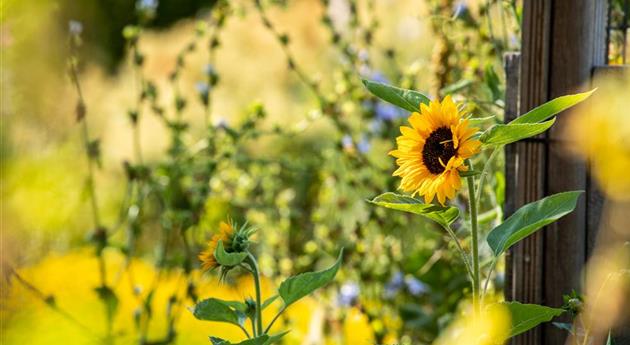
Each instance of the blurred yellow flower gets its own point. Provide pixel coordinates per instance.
(226, 232)
(600, 133)
(492, 327)
(432, 151)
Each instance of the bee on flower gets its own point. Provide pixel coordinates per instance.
(431, 153)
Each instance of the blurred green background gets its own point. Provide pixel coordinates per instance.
(215, 109)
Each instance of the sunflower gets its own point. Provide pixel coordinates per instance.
(432, 151)
(226, 233)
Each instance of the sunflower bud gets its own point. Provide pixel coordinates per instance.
(228, 248)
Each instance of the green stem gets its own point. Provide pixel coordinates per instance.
(256, 273)
(484, 172)
(274, 319)
(461, 251)
(470, 181)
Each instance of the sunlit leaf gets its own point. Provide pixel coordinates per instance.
(503, 134)
(529, 218)
(273, 339)
(407, 99)
(228, 259)
(303, 284)
(551, 108)
(528, 316)
(213, 309)
(443, 215)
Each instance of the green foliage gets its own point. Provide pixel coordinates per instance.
(296, 287)
(406, 99)
(213, 309)
(529, 218)
(528, 316)
(551, 108)
(228, 259)
(506, 134)
(443, 215)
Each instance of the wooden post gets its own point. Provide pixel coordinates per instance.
(563, 40)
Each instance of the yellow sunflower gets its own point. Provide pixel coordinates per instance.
(226, 233)
(432, 151)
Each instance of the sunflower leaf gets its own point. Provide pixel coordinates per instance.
(529, 218)
(528, 316)
(213, 309)
(259, 340)
(406, 99)
(276, 337)
(228, 259)
(303, 284)
(443, 215)
(551, 108)
(503, 134)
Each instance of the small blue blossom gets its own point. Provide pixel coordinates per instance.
(379, 77)
(75, 27)
(415, 286)
(394, 285)
(363, 55)
(348, 294)
(208, 70)
(202, 88)
(147, 5)
(375, 126)
(459, 8)
(386, 111)
(346, 142)
(364, 145)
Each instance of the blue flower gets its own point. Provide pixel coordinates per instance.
(415, 286)
(459, 8)
(348, 294)
(379, 77)
(202, 88)
(147, 5)
(375, 126)
(346, 142)
(75, 27)
(364, 145)
(208, 70)
(394, 285)
(386, 111)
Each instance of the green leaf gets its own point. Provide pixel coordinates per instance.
(502, 134)
(218, 341)
(268, 301)
(610, 340)
(443, 215)
(528, 316)
(303, 284)
(259, 340)
(213, 309)
(228, 259)
(407, 99)
(276, 337)
(551, 108)
(478, 121)
(529, 218)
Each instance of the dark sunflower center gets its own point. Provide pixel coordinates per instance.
(439, 145)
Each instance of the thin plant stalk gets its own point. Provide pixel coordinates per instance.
(476, 286)
(256, 273)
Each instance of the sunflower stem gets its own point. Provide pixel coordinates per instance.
(484, 172)
(472, 203)
(256, 273)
